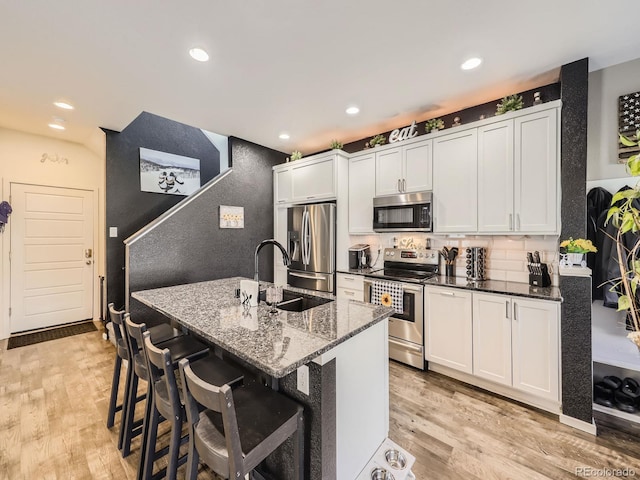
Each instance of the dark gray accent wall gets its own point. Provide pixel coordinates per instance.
(189, 246)
(577, 388)
(127, 207)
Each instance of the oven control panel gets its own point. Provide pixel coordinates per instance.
(411, 255)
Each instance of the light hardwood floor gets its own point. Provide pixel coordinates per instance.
(53, 404)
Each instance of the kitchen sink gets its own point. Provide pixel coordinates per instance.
(299, 302)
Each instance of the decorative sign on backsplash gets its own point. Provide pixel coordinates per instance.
(400, 134)
(231, 217)
(54, 158)
(628, 123)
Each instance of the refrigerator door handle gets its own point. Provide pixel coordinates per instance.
(306, 238)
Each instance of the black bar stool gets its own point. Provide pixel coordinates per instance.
(158, 333)
(239, 428)
(180, 347)
(167, 403)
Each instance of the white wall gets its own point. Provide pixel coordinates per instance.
(20, 162)
(605, 86)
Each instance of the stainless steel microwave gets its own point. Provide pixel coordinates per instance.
(408, 212)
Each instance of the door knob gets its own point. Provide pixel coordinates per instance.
(88, 262)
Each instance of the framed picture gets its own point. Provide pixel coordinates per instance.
(628, 123)
(162, 172)
(231, 217)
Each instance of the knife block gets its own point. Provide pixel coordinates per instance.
(542, 280)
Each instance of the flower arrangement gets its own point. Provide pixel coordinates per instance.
(579, 245)
(376, 140)
(433, 125)
(510, 103)
(626, 217)
(386, 300)
(335, 144)
(296, 155)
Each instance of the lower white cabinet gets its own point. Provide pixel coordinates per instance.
(350, 287)
(448, 328)
(512, 341)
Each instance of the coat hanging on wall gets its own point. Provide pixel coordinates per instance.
(5, 211)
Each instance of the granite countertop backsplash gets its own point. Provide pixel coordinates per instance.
(275, 344)
(498, 286)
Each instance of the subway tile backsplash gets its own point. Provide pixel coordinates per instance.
(506, 255)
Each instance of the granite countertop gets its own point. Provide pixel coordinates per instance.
(275, 344)
(497, 286)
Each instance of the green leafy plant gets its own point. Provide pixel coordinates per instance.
(335, 144)
(510, 103)
(433, 125)
(296, 155)
(626, 217)
(377, 140)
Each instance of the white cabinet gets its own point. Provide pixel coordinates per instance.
(315, 180)
(492, 337)
(455, 185)
(404, 169)
(518, 175)
(282, 186)
(495, 177)
(536, 172)
(362, 172)
(350, 287)
(448, 328)
(536, 347)
(280, 234)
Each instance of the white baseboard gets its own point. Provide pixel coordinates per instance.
(579, 424)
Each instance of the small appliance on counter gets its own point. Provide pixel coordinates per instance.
(359, 256)
(538, 271)
(476, 257)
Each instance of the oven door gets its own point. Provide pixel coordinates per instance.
(408, 325)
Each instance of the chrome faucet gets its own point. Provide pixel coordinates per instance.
(285, 255)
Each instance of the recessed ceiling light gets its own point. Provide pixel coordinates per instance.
(56, 126)
(63, 105)
(199, 54)
(353, 110)
(471, 63)
(284, 136)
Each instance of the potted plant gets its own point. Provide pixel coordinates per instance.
(296, 155)
(376, 141)
(575, 250)
(336, 145)
(433, 125)
(510, 103)
(626, 217)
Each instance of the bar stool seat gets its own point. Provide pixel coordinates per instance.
(239, 428)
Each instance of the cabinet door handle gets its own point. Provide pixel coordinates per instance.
(515, 311)
(348, 293)
(311, 197)
(399, 188)
(511, 221)
(506, 304)
(517, 221)
(404, 184)
(448, 294)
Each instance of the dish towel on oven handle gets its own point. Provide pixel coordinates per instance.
(389, 294)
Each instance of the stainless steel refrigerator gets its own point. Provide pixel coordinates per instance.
(311, 243)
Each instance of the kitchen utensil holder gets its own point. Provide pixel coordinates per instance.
(542, 279)
(476, 257)
(450, 270)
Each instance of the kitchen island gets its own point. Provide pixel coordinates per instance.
(332, 358)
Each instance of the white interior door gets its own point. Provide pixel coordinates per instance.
(51, 256)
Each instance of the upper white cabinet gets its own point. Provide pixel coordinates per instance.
(507, 182)
(495, 177)
(455, 186)
(314, 180)
(362, 173)
(404, 169)
(448, 328)
(282, 186)
(536, 172)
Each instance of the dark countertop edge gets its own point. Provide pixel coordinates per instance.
(477, 288)
(266, 368)
(480, 288)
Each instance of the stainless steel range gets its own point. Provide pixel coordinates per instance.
(411, 268)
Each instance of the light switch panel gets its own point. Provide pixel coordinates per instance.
(113, 232)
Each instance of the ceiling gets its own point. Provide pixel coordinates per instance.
(289, 65)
